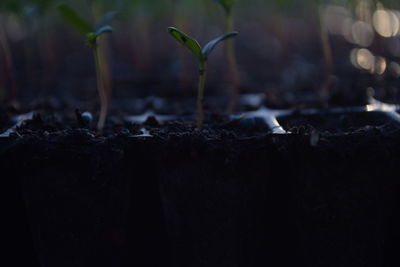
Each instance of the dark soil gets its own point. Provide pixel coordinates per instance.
(339, 123)
(5, 120)
(227, 195)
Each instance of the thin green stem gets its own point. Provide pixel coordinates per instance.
(230, 23)
(200, 93)
(101, 89)
(230, 48)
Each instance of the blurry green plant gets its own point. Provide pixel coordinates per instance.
(230, 49)
(7, 60)
(327, 52)
(26, 7)
(27, 12)
(202, 55)
(92, 33)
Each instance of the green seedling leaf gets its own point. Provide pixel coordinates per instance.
(104, 29)
(105, 20)
(74, 19)
(187, 41)
(91, 39)
(211, 45)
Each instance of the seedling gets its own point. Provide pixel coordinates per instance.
(202, 55)
(327, 52)
(7, 58)
(230, 50)
(28, 13)
(92, 33)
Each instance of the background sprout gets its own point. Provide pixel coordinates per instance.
(8, 61)
(327, 52)
(202, 56)
(230, 49)
(27, 12)
(92, 34)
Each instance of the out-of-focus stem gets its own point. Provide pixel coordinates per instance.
(200, 93)
(9, 63)
(101, 87)
(233, 68)
(327, 51)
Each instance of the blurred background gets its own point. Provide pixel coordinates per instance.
(279, 49)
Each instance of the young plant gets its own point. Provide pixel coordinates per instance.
(202, 55)
(327, 52)
(228, 5)
(28, 13)
(92, 33)
(9, 64)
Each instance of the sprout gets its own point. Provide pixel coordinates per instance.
(26, 12)
(202, 55)
(92, 33)
(327, 52)
(230, 51)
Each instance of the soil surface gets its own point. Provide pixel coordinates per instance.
(231, 194)
(346, 122)
(5, 120)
